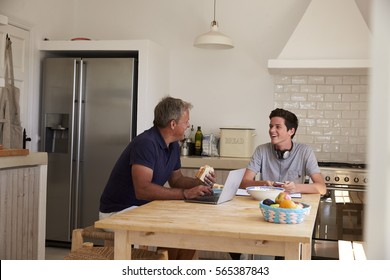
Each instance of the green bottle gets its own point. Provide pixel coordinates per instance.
(198, 142)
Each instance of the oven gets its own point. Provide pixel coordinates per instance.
(341, 211)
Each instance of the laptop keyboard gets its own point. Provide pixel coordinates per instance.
(211, 197)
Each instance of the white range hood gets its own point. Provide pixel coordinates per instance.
(332, 34)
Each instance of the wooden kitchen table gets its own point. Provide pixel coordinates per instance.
(234, 226)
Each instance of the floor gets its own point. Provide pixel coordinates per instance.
(56, 253)
(325, 250)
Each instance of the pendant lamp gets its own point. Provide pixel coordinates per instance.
(214, 39)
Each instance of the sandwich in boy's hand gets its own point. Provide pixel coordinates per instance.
(203, 171)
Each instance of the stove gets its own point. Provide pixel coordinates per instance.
(340, 215)
(342, 164)
(345, 177)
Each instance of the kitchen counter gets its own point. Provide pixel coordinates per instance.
(227, 163)
(23, 206)
(28, 160)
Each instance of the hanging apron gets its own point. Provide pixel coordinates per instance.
(11, 135)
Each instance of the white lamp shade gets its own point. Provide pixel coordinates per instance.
(213, 40)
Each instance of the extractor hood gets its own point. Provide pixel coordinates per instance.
(332, 34)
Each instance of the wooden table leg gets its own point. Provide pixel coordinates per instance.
(298, 251)
(306, 251)
(122, 245)
(292, 251)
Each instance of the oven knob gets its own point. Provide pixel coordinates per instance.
(337, 178)
(327, 178)
(346, 179)
(365, 180)
(356, 180)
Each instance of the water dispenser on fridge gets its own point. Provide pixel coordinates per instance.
(57, 133)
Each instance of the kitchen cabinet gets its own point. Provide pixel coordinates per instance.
(221, 165)
(227, 163)
(23, 206)
(221, 174)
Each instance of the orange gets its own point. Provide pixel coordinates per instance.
(282, 196)
(287, 204)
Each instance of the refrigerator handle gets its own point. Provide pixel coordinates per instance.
(73, 127)
(78, 144)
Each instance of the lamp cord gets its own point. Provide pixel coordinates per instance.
(215, 1)
(214, 21)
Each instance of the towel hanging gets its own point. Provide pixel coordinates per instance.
(11, 135)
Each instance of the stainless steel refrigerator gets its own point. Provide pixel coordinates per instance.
(88, 117)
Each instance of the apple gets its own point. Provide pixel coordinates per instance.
(282, 196)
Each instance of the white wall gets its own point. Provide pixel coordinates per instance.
(231, 87)
(377, 226)
(47, 17)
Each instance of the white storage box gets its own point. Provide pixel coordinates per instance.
(236, 142)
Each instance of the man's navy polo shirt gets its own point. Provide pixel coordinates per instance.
(147, 149)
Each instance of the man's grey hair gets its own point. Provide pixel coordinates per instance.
(168, 109)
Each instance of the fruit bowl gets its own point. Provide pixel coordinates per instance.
(263, 192)
(284, 215)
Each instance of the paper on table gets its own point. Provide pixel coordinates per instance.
(242, 192)
(296, 195)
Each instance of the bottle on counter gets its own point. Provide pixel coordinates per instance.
(198, 142)
(184, 147)
(192, 134)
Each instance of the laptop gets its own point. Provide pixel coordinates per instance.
(228, 191)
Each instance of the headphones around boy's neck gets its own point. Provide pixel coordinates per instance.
(283, 154)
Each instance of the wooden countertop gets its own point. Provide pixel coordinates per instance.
(35, 158)
(13, 152)
(216, 162)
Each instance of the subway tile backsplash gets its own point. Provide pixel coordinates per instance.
(332, 112)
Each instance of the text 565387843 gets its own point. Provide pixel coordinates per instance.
(242, 270)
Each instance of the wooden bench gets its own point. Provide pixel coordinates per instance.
(83, 250)
(351, 250)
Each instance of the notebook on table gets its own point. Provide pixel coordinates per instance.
(228, 191)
